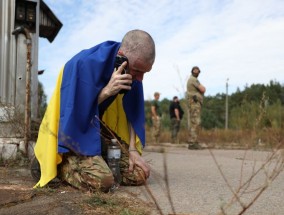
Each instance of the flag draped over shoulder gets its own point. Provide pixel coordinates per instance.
(71, 120)
(46, 146)
(115, 118)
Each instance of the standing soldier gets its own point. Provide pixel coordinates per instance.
(156, 118)
(176, 114)
(195, 92)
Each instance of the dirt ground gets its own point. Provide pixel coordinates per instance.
(193, 182)
(18, 197)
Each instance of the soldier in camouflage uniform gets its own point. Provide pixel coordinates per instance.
(88, 170)
(92, 173)
(195, 92)
(156, 118)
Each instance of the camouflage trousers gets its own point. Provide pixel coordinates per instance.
(194, 125)
(175, 126)
(92, 172)
(156, 129)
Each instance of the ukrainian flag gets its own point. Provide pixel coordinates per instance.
(71, 121)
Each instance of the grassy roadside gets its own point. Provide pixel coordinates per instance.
(228, 139)
(116, 203)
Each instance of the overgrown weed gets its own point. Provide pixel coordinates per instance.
(106, 203)
(227, 139)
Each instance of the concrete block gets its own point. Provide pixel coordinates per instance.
(30, 148)
(9, 147)
(8, 151)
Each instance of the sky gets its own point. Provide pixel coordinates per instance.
(238, 42)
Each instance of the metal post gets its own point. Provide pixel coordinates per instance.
(226, 116)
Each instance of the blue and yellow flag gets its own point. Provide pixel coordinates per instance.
(71, 120)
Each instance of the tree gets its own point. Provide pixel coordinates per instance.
(42, 104)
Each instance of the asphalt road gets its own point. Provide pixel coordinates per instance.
(190, 178)
(196, 185)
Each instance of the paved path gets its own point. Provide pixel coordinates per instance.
(197, 187)
(195, 183)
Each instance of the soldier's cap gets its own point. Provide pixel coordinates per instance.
(195, 67)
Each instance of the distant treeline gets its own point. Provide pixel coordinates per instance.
(257, 106)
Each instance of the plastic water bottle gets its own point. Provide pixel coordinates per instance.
(113, 158)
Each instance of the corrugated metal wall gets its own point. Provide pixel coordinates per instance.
(7, 50)
(13, 60)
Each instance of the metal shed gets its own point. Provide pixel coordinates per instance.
(22, 22)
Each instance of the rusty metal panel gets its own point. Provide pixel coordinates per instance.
(7, 50)
(13, 60)
(19, 57)
(13, 51)
(20, 80)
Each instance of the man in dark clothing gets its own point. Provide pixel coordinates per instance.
(176, 114)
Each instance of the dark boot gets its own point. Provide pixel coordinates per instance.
(194, 146)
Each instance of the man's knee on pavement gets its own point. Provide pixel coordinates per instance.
(98, 179)
(91, 173)
(89, 181)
